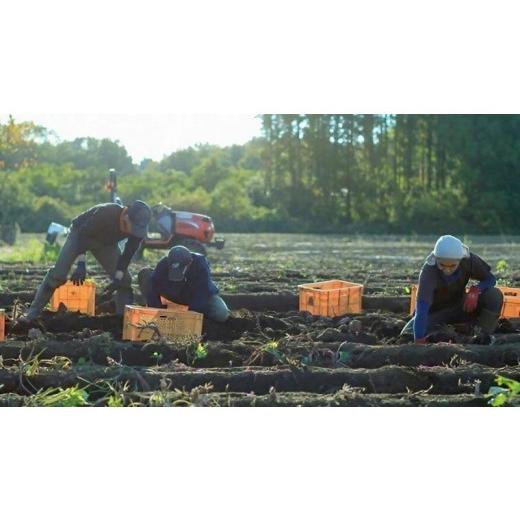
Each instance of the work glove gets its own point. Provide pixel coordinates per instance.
(420, 341)
(117, 282)
(79, 274)
(471, 299)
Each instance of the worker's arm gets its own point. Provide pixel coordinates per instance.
(420, 321)
(201, 289)
(425, 293)
(481, 271)
(153, 297)
(489, 281)
(199, 297)
(158, 279)
(131, 246)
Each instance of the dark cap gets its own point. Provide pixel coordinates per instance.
(139, 214)
(179, 258)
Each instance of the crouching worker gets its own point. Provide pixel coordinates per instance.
(97, 230)
(442, 296)
(183, 277)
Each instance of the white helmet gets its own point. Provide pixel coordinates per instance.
(448, 247)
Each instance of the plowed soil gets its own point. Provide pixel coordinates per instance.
(268, 353)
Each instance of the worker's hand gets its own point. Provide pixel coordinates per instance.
(471, 299)
(79, 274)
(420, 341)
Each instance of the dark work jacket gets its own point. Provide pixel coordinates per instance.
(99, 226)
(194, 291)
(440, 291)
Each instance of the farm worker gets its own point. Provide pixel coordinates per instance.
(183, 277)
(98, 230)
(442, 296)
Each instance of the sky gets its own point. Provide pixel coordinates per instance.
(150, 136)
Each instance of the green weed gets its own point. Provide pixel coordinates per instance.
(157, 357)
(73, 396)
(503, 394)
(115, 400)
(195, 351)
(502, 266)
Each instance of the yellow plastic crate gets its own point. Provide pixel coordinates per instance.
(80, 298)
(171, 324)
(331, 298)
(511, 305)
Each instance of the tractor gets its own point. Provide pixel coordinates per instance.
(171, 228)
(168, 227)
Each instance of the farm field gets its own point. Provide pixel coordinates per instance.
(269, 353)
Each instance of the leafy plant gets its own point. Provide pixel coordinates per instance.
(503, 394)
(502, 266)
(196, 351)
(272, 348)
(200, 351)
(157, 357)
(73, 396)
(32, 366)
(115, 400)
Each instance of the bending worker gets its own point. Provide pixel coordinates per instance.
(98, 230)
(442, 296)
(183, 277)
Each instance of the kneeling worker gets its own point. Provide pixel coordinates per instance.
(98, 230)
(183, 277)
(442, 296)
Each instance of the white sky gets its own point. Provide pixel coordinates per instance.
(150, 135)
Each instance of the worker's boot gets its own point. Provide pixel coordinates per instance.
(488, 320)
(485, 325)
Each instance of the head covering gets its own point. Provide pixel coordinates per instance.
(179, 258)
(139, 214)
(448, 247)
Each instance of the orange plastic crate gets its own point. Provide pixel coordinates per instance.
(171, 324)
(331, 298)
(2, 324)
(511, 305)
(173, 306)
(80, 298)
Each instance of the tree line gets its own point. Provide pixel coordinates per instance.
(307, 172)
(424, 173)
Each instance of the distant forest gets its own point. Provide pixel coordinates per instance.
(307, 173)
